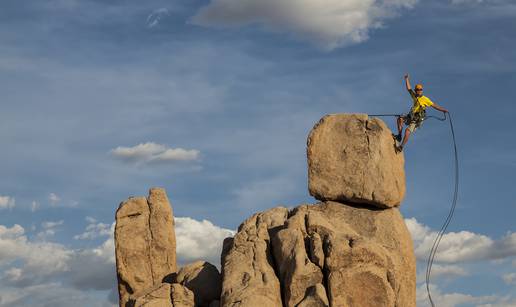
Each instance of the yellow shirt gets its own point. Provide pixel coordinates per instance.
(420, 103)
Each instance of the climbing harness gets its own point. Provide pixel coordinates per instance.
(441, 232)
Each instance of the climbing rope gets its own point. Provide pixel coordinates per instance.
(441, 232)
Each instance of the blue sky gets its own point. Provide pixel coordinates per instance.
(221, 95)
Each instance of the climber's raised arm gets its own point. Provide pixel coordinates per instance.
(407, 83)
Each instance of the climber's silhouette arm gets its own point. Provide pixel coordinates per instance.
(439, 108)
(407, 83)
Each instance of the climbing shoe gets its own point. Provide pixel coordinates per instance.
(399, 148)
(397, 137)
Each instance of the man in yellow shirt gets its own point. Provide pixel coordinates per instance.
(417, 113)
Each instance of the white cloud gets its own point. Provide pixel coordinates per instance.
(32, 265)
(152, 152)
(460, 246)
(451, 299)
(54, 199)
(49, 225)
(38, 258)
(49, 294)
(328, 24)
(443, 271)
(48, 229)
(7, 202)
(199, 240)
(94, 230)
(155, 17)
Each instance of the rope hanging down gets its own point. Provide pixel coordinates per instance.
(441, 232)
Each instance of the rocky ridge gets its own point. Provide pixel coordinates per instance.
(350, 249)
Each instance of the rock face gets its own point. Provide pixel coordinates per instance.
(351, 158)
(181, 296)
(327, 254)
(203, 279)
(248, 273)
(158, 296)
(145, 243)
(353, 249)
(145, 246)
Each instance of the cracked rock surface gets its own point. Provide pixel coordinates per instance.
(351, 158)
(327, 254)
(145, 243)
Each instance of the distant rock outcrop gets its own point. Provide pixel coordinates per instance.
(145, 243)
(351, 158)
(352, 249)
(145, 246)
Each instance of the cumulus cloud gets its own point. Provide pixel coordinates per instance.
(199, 240)
(7, 202)
(454, 299)
(152, 152)
(328, 24)
(50, 294)
(36, 264)
(34, 259)
(460, 246)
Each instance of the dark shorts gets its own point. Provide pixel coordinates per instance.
(411, 123)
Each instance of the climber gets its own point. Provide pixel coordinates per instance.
(417, 113)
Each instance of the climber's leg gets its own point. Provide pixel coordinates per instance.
(399, 122)
(406, 137)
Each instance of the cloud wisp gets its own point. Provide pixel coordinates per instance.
(7, 202)
(94, 230)
(327, 24)
(151, 152)
(156, 16)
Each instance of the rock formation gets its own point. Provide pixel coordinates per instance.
(248, 270)
(203, 279)
(352, 249)
(351, 159)
(145, 243)
(145, 247)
